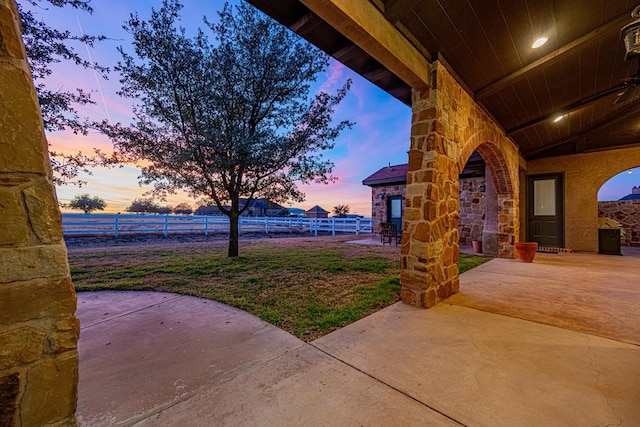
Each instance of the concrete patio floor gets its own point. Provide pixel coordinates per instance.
(552, 343)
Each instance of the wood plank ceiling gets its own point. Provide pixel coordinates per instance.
(578, 73)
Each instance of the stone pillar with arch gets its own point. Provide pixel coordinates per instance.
(447, 126)
(38, 327)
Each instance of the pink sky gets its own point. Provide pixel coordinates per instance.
(380, 136)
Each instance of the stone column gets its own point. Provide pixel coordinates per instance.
(429, 256)
(508, 214)
(490, 230)
(38, 328)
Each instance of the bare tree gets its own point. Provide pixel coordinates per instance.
(86, 203)
(341, 211)
(228, 120)
(46, 46)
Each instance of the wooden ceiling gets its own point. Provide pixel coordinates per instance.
(578, 73)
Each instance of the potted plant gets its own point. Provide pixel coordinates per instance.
(526, 251)
(477, 245)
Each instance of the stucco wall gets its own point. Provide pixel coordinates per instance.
(584, 174)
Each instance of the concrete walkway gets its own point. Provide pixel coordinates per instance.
(155, 359)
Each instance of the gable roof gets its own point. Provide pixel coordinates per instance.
(396, 174)
(317, 209)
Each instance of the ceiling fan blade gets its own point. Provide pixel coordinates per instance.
(622, 97)
(627, 95)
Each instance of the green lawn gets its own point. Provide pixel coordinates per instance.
(308, 287)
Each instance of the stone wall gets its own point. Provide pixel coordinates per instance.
(584, 174)
(627, 213)
(38, 328)
(472, 210)
(379, 202)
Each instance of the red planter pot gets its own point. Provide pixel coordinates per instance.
(526, 251)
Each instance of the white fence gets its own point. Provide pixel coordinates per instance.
(117, 224)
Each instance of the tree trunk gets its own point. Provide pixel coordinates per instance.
(233, 235)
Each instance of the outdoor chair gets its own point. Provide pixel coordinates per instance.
(389, 232)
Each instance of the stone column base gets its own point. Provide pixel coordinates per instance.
(412, 296)
(490, 243)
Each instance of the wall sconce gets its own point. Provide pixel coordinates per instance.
(382, 196)
(482, 187)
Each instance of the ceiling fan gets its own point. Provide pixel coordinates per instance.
(629, 89)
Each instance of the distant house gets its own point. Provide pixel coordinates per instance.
(297, 212)
(263, 207)
(316, 212)
(257, 207)
(635, 194)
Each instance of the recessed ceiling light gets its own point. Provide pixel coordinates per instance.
(557, 119)
(536, 44)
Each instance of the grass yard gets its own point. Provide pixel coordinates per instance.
(306, 286)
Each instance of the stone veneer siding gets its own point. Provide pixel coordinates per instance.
(379, 203)
(627, 213)
(472, 207)
(447, 127)
(38, 328)
(472, 210)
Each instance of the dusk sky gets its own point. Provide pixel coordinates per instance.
(379, 137)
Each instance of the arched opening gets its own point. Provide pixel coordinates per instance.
(487, 208)
(619, 214)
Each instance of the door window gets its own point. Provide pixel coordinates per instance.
(544, 197)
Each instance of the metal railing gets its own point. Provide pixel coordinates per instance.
(117, 224)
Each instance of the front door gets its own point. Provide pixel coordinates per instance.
(545, 210)
(394, 211)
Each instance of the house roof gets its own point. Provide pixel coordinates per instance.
(260, 204)
(487, 45)
(317, 209)
(396, 174)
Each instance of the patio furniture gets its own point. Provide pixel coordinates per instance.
(389, 232)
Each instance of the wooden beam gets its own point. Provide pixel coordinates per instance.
(343, 53)
(301, 22)
(612, 26)
(377, 74)
(307, 23)
(395, 10)
(581, 138)
(365, 25)
(567, 109)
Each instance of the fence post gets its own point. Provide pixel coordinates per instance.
(266, 225)
(115, 225)
(315, 225)
(357, 226)
(166, 225)
(333, 225)
(206, 225)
